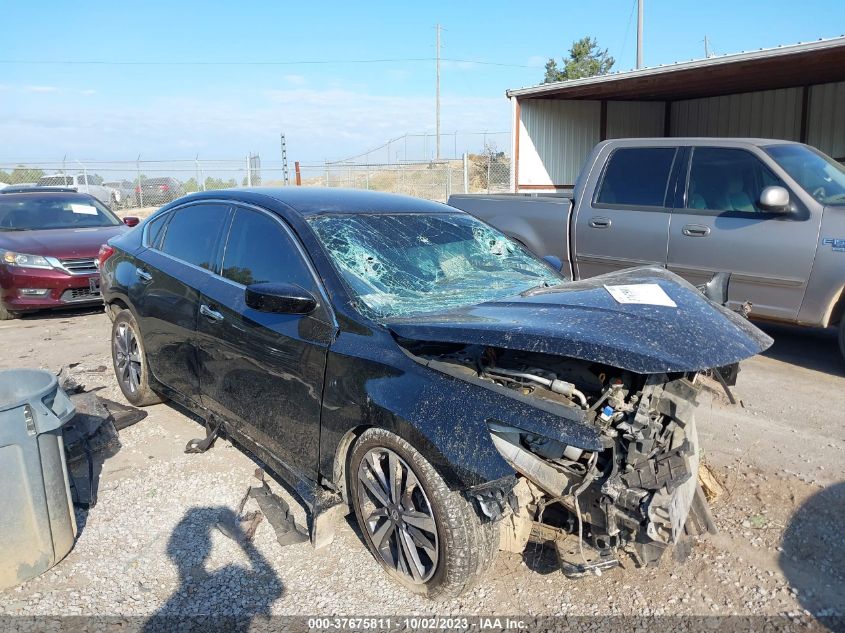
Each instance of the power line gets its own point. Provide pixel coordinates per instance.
(302, 62)
(627, 29)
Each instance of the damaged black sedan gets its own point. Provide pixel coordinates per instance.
(402, 359)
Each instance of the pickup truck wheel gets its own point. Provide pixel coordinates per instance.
(842, 336)
(130, 361)
(427, 537)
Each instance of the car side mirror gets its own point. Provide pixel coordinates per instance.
(280, 298)
(775, 199)
(131, 220)
(717, 288)
(554, 262)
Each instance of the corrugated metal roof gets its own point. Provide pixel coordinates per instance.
(642, 79)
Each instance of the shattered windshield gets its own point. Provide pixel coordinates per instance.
(406, 264)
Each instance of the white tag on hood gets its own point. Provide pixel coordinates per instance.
(642, 294)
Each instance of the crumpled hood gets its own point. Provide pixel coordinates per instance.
(582, 320)
(61, 243)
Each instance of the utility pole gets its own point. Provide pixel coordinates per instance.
(437, 97)
(706, 48)
(285, 173)
(640, 33)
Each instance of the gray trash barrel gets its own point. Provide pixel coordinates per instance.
(37, 525)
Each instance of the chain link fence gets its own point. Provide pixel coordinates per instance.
(144, 185)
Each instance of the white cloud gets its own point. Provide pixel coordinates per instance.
(88, 91)
(40, 89)
(327, 123)
(296, 80)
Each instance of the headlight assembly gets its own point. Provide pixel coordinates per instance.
(22, 260)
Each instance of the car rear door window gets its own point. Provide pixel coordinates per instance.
(260, 250)
(154, 231)
(192, 234)
(727, 179)
(637, 176)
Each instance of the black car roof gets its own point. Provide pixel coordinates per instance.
(309, 201)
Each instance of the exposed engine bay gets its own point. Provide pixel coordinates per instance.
(635, 494)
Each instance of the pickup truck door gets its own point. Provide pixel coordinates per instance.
(626, 222)
(719, 226)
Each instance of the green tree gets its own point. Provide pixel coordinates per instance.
(219, 183)
(191, 185)
(586, 59)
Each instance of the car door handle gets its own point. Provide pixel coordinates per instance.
(212, 315)
(143, 275)
(696, 230)
(600, 223)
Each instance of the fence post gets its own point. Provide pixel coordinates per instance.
(248, 171)
(466, 173)
(140, 184)
(85, 176)
(489, 160)
(298, 174)
(448, 179)
(327, 173)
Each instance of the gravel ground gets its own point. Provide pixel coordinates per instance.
(150, 546)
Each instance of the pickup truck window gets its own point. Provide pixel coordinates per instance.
(726, 179)
(637, 176)
(55, 181)
(817, 174)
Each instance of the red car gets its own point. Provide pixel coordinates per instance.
(49, 241)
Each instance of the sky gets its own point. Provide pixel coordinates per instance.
(179, 79)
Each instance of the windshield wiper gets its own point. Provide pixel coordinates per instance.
(543, 287)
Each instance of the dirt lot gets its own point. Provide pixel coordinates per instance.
(150, 545)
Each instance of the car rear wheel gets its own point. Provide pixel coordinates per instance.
(427, 537)
(130, 361)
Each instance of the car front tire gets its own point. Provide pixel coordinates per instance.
(130, 361)
(426, 536)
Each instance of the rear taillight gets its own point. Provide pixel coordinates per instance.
(164, 187)
(138, 189)
(106, 251)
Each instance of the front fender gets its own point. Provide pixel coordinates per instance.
(379, 386)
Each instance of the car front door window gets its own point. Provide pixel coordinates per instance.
(260, 251)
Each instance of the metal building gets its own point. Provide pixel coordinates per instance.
(790, 92)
